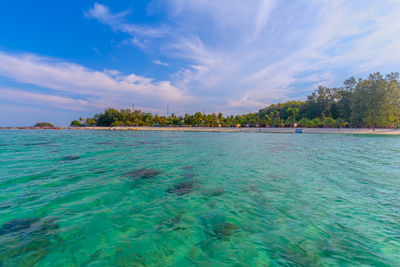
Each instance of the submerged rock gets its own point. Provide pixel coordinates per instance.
(219, 191)
(173, 222)
(27, 254)
(17, 225)
(33, 238)
(105, 143)
(126, 256)
(48, 226)
(147, 143)
(296, 255)
(37, 144)
(223, 231)
(182, 188)
(144, 173)
(71, 157)
(4, 206)
(188, 175)
(177, 219)
(101, 170)
(187, 168)
(275, 177)
(29, 226)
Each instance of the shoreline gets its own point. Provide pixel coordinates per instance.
(378, 131)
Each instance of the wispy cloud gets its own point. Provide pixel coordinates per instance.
(158, 62)
(117, 22)
(247, 54)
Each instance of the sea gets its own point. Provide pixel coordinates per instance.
(169, 198)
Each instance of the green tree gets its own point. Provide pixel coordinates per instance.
(44, 124)
(76, 123)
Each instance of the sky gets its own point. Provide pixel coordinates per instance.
(61, 60)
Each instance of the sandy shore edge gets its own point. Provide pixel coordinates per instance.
(249, 130)
(273, 130)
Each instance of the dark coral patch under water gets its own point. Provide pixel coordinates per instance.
(144, 173)
(29, 226)
(188, 175)
(17, 225)
(173, 223)
(132, 145)
(5, 206)
(106, 143)
(126, 256)
(148, 143)
(25, 253)
(187, 168)
(68, 158)
(223, 231)
(296, 255)
(275, 177)
(37, 144)
(182, 188)
(28, 241)
(216, 192)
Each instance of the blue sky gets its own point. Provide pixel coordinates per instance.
(60, 60)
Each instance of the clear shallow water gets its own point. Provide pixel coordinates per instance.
(96, 198)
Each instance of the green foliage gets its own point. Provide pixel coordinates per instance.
(376, 101)
(90, 122)
(371, 102)
(76, 123)
(44, 124)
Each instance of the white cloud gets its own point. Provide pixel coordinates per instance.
(260, 51)
(93, 88)
(112, 72)
(103, 14)
(25, 97)
(158, 62)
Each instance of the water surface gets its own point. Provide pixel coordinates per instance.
(101, 198)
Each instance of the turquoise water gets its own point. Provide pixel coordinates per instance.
(102, 198)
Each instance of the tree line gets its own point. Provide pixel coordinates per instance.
(370, 102)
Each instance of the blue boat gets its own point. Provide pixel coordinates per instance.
(299, 131)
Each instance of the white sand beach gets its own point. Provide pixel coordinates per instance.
(255, 130)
